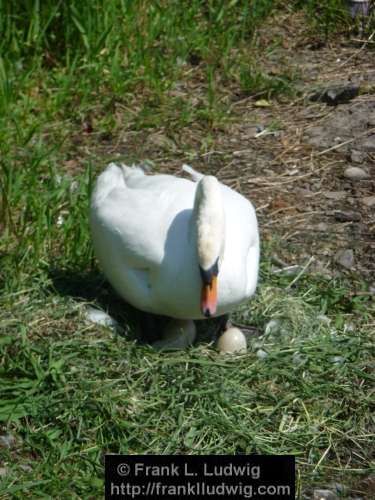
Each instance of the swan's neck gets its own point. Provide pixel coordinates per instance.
(209, 220)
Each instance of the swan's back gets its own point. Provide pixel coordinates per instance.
(130, 216)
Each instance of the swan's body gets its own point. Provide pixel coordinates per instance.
(147, 236)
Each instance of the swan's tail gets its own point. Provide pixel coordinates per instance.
(196, 176)
(114, 176)
(133, 171)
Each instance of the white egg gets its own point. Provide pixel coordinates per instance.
(232, 341)
(178, 334)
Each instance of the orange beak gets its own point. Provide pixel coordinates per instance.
(209, 298)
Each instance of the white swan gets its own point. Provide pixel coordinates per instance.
(172, 246)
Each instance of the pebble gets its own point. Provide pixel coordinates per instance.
(357, 156)
(349, 327)
(355, 173)
(273, 326)
(60, 220)
(335, 195)
(336, 94)
(324, 495)
(161, 141)
(3, 471)
(324, 319)
(340, 488)
(261, 354)
(345, 258)
(232, 341)
(7, 441)
(298, 358)
(337, 360)
(369, 144)
(347, 216)
(369, 201)
(26, 468)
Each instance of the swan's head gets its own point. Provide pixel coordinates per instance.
(209, 214)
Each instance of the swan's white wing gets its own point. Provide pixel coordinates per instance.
(130, 217)
(134, 211)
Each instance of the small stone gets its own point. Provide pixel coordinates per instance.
(335, 195)
(26, 468)
(345, 258)
(60, 220)
(324, 319)
(338, 94)
(355, 174)
(7, 441)
(272, 327)
(261, 354)
(303, 192)
(357, 156)
(3, 471)
(340, 488)
(369, 201)
(337, 360)
(369, 144)
(346, 216)
(324, 495)
(298, 358)
(161, 141)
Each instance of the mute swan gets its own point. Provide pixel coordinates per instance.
(187, 249)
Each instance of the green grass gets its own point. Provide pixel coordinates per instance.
(74, 78)
(72, 391)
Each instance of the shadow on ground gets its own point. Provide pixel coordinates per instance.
(91, 287)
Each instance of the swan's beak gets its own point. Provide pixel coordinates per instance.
(209, 297)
